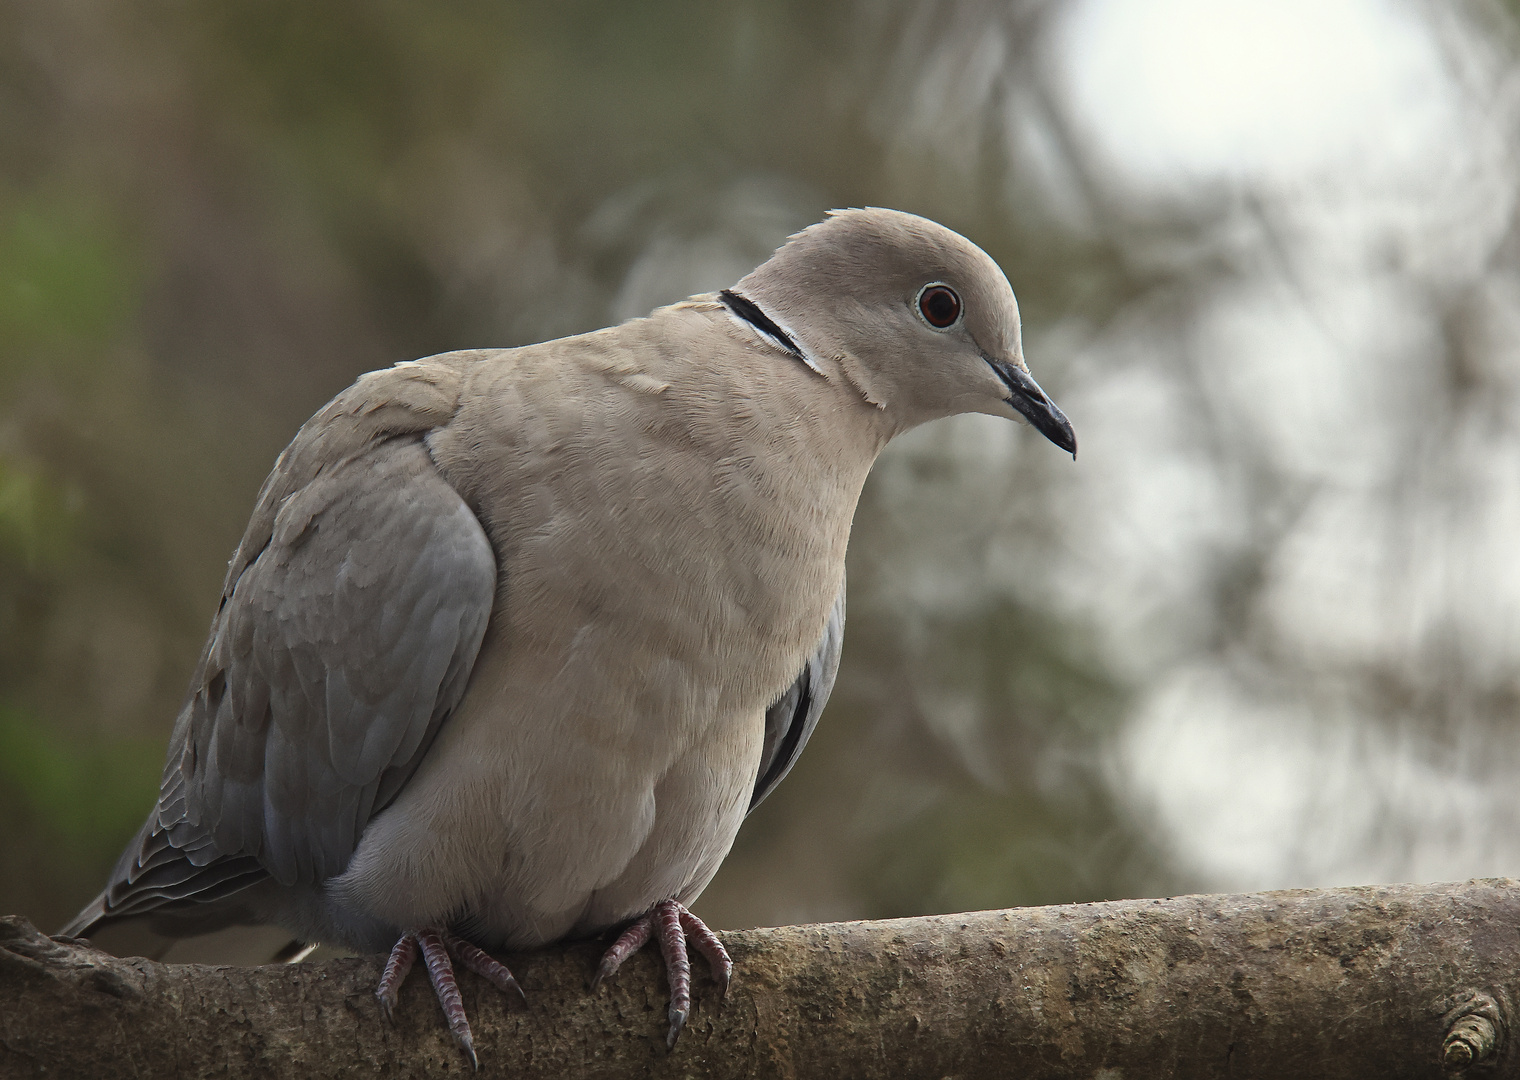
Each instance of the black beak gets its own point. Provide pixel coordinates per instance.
(1025, 395)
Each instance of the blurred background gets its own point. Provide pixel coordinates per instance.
(1265, 632)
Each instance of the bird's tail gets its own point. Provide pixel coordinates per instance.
(91, 916)
(223, 934)
(131, 936)
(156, 895)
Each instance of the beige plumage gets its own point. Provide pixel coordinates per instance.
(516, 638)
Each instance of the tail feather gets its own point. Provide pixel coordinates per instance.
(82, 924)
(157, 885)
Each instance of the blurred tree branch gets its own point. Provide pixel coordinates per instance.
(1382, 981)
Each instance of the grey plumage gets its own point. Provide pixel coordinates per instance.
(350, 619)
(516, 638)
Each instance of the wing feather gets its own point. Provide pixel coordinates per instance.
(789, 723)
(350, 619)
(374, 590)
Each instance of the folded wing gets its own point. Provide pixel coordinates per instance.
(348, 627)
(790, 721)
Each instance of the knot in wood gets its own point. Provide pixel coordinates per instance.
(1474, 1032)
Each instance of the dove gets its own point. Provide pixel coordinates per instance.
(516, 638)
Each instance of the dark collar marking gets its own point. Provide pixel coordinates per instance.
(749, 311)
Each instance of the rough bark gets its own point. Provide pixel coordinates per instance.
(1390, 981)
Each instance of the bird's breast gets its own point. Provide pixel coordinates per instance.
(666, 564)
(698, 534)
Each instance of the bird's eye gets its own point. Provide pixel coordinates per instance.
(939, 305)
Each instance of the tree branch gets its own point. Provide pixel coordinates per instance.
(1386, 981)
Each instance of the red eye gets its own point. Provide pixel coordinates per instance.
(939, 306)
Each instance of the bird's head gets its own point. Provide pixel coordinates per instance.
(919, 319)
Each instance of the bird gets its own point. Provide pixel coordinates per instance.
(516, 638)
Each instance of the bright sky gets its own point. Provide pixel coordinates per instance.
(1250, 87)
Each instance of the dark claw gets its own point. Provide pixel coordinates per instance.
(677, 1019)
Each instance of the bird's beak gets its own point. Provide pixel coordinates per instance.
(1025, 395)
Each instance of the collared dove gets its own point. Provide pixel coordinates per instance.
(517, 637)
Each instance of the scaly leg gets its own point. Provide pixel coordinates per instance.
(486, 966)
(711, 948)
(435, 945)
(671, 924)
(402, 957)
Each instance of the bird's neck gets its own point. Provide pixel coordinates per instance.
(818, 412)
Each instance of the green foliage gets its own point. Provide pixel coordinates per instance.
(36, 519)
(88, 796)
(68, 280)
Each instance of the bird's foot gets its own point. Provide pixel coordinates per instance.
(435, 946)
(671, 924)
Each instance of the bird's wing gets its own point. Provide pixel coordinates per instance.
(791, 720)
(349, 623)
